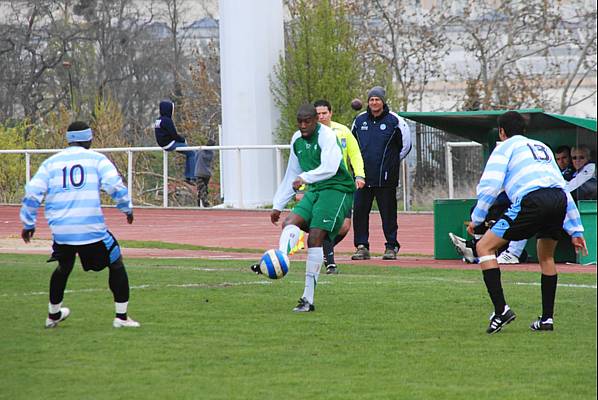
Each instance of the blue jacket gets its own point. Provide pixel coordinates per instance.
(384, 141)
(164, 128)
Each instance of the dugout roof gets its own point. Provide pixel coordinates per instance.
(480, 126)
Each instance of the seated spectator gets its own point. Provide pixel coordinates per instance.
(563, 160)
(168, 138)
(583, 184)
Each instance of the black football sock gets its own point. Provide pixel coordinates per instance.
(119, 284)
(494, 286)
(548, 283)
(58, 282)
(328, 248)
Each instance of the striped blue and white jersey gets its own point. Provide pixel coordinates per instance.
(71, 182)
(519, 166)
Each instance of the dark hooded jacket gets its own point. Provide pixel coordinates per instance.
(164, 128)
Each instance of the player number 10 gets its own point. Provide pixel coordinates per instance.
(75, 176)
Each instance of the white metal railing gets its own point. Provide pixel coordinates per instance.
(449, 163)
(238, 149)
(130, 150)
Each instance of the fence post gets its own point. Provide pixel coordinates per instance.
(165, 178)
(278, 162)
(27, 167)
(406, 191)
(449, 170)
(130, 174)
(240, 174)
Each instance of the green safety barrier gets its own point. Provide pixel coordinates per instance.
(453, 215)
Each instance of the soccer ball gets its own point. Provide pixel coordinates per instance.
(274, 264)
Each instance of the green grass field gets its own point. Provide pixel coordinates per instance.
(213, 330)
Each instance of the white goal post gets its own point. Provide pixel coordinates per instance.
(449, 163)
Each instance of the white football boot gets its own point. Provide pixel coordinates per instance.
(64, 314)
(507, 258)
(125, 323)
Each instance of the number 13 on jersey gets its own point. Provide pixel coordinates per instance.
(539, 152)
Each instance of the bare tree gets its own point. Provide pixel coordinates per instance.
(514, 53)
(32, 51)
(176, 11)
(581, 58)
(408, 41)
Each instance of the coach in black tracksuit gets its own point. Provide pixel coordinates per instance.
(384, 140)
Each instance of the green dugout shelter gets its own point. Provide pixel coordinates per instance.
(480, 126)
(450, 215)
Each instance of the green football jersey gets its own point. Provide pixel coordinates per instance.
(309, 153)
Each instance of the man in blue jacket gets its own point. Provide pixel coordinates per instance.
(168, 138)
(384, 140)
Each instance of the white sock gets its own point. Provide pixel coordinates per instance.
(54, 308)
(289, 238)
(315, 258)
(121, 308)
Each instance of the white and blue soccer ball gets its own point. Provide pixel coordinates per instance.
(274, 264)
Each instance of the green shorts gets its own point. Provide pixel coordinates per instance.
(325, 209)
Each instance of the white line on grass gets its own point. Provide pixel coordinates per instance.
(323, 282)
(181, 285)
(448, 280)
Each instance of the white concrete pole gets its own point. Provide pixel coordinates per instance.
(251, 41)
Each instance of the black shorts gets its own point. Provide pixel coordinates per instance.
(539, 213)
(94, 256)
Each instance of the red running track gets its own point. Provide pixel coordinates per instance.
(227, 228)
(251, 229)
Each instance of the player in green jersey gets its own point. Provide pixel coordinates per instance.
(316, 160)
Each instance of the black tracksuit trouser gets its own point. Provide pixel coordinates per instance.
(386, 198)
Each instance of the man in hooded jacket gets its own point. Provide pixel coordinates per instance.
(169, 139)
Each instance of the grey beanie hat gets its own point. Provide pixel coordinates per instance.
(377, 91)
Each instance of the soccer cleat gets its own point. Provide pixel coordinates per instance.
(64, 314)
(507, 258)
(331, 269)
(362, 253)
(304, 306)
(256, 268)
(461, 247)
(389, 254)
(125, 323)
(497, 322)
(300, 244)
(542, 325)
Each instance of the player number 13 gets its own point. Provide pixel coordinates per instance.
(539, 152)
